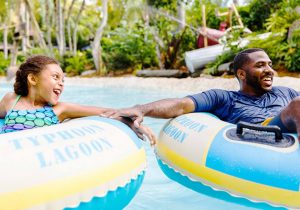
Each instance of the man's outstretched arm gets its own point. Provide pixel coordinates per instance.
(166, 108)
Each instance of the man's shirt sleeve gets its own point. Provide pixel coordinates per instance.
(210, 100)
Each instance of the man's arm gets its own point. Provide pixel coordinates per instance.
(290, 116)
(166, 108)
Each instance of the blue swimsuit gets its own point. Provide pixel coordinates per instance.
(16, 120)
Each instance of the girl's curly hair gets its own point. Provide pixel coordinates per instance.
(33, 65)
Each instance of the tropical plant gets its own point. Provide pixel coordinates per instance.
(128, 48)
(75, 65)
(258, 13)
(4, 63)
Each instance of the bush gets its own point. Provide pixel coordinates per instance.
(259, 11)
(128, 48)
(75, 65)
(4, 63)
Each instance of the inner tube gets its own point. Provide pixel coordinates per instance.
(85, 163)
(241, 163)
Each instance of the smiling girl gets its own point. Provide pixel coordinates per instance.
(34, 102)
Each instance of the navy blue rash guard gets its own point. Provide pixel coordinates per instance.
(234, 106)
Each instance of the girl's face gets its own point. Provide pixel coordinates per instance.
(50, 84)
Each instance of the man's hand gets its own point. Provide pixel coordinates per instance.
(140, 131)
(133, 113)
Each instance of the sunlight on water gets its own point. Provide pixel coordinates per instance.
(157, 191)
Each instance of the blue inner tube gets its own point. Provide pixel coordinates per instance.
(117, 199)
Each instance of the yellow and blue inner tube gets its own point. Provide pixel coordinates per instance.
(86, 163)
(209, 161)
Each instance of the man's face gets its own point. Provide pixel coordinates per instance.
(259, 72)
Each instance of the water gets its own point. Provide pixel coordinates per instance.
(157, 191)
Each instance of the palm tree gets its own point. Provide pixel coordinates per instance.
(96, 46)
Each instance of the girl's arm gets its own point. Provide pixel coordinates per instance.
(69, 110)
(6, 103)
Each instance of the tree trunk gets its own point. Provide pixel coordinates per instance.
(63, 28)
(16, 35)
(96, 45)
(5, 47)
(69, 25)
(75, 27)
(158, 41)
(48, 16)
(14, 52)
(23, 19)
(59, 27)
(42, 42)
(181, 14)
(27, 29)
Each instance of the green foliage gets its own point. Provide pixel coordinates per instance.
(259, 11)
(116, 13)
(232, 40)
(129, 48)
(194, 14)
(75, 65)
(4, 63)
(167, 4)
(179, 43)
(212, 68)
(282, 19)
(188, 42)
(37, 51)
(283, 54)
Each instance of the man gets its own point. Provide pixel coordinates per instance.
(256, 101)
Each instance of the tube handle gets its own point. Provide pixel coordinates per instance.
(270, 128)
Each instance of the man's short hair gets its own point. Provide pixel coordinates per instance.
(242, 58)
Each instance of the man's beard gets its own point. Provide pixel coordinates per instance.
(254, 82)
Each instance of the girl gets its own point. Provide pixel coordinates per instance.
(34, 102)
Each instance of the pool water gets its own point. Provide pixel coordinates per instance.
(157, 191)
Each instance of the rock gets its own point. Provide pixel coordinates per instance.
(295, 26)
(297, 9)
(88, 73)
(162, 73)
(225, 67)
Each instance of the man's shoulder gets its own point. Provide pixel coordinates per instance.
(285, 91)
(222, 91)
(282, 89)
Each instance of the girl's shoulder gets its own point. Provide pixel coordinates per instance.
(6, 103)
(9, 98)
(10, 95)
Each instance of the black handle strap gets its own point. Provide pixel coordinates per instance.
(270, 128)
